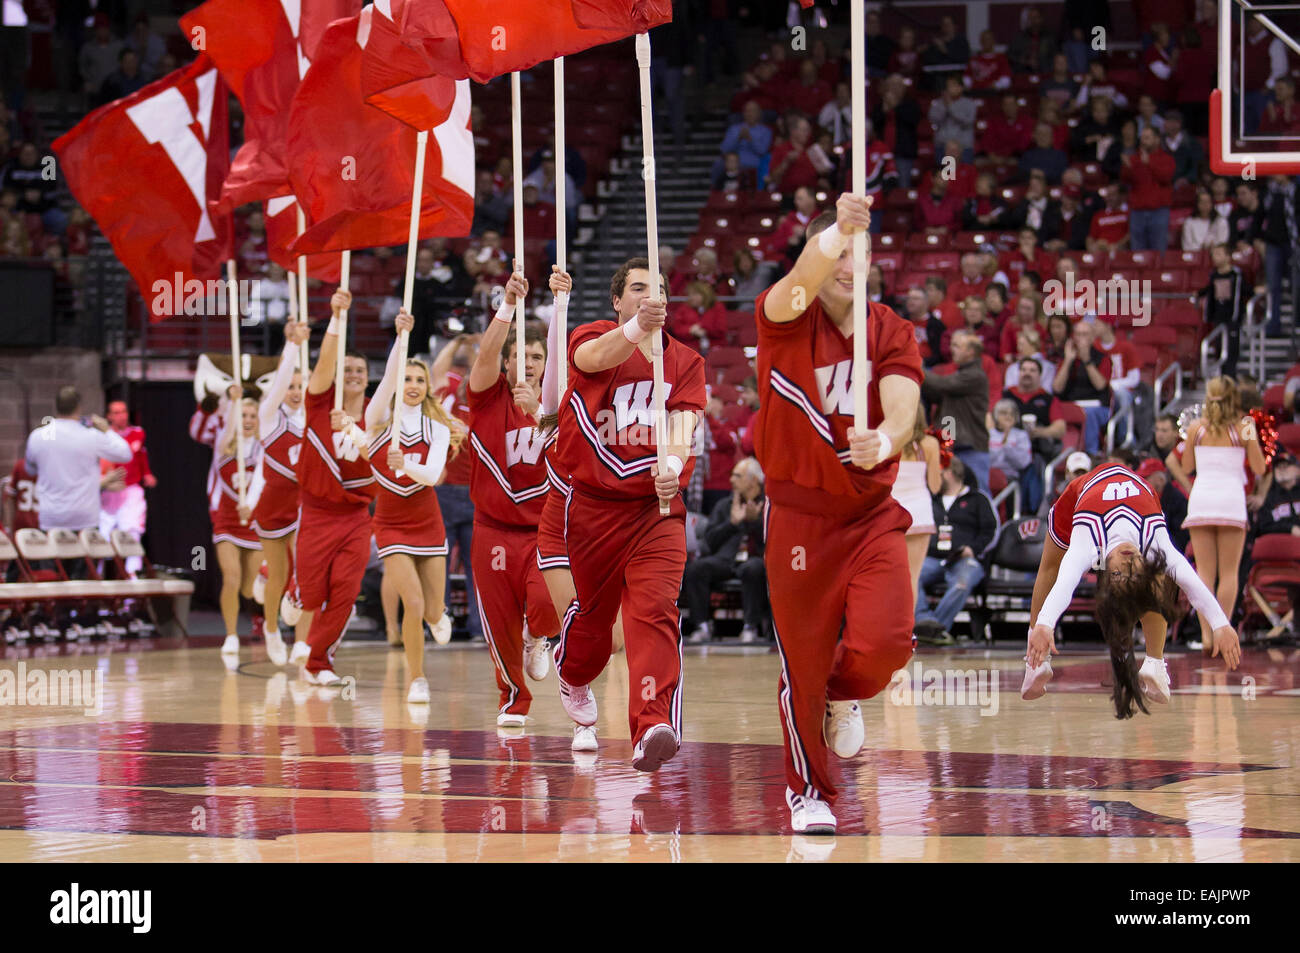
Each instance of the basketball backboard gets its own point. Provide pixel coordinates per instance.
(1258, 42)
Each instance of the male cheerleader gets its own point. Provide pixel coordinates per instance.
(836, 554)
(336, 485)
(508, 486)
(125, 508)
(622, 552)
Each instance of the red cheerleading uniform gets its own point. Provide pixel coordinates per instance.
(407, 518)
(552, 553)
(621, 551)
(836, 554)
(276, 513)
(1095, 500)
(224, 502)
(336, 486)
(508, 485)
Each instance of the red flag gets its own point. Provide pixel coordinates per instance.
(352, 166)
(144, 167)
(626, 16)
(281, 216)
(262, 48)
(399, 80)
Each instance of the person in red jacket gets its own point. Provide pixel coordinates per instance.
(1007, 134)
(971, 281)
(786, 242)
(808, 93)
(790, 166)
(723, 442)
(988, 69)
(1282, 117)
(975, 316)
(700, 323)
(1149, 174)
(1027, 256)
(1109, 228)
(1159, 61)
(937, 210)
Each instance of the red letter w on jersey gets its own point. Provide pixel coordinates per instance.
(1121, 490)
(523, 446)
(632, 403)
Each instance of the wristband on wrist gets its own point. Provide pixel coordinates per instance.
(633, 331)
(334, 326)
(831, 242)
(505, 314)
(675, 464)
(886, 447)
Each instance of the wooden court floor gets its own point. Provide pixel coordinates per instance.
(191, 762)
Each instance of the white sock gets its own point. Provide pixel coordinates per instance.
(232, 635)
(268, 631)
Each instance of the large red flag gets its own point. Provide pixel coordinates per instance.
(144, 167)
(352, 166)
(399, 79)
(262, 49)
(625, 16)
(281, 217)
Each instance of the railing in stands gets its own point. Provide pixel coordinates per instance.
(1210, 367)
(1049, 472)
(1125, 416)
(1173, 372)
(1012, 489)
(1253, 328)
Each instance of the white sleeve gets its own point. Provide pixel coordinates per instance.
(113, 447)
(381, 404)
(274, 396)
(431, 469)
(555, 353)
(258, 483)
(1181, 572)
(1078, 559)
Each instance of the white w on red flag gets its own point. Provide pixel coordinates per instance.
(352, 166)
(145, 167)
(262, 49)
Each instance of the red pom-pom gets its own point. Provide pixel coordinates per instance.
(1265, 433)
(945, 446)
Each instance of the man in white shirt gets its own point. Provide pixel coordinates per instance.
(64, 454)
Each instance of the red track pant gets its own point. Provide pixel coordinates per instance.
(509, 588)
(333, 549)
(824, 573)
(623, 553)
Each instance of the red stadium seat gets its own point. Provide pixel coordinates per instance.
(728, 202)
(888, 240)
(887, 260)
(900, 198)
(1274, 576)
(1288, 435)
(725, 393)
(1167, 279)
(896, 220)
(747, 336)
(1123, 258)
(969, 241)
(1248, 261)
(1273, 399)
(1155, 336)
(1195, 260)
(1074, 422)
(920, 241)
(937, 260)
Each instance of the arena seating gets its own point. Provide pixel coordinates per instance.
(1272, 590)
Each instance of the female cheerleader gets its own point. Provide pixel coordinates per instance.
(1114, 525)
(1217, 446)
(552, 553)
(407, 522)
(918, 479)
(280, 418)
(239, 553)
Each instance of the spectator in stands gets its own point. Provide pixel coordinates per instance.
(749, 276)
(975, 321)
(1187, 152)
(750, 139)
(948, 49)
(763, 86)
(1125, 374)
(992, 270)
(1083, 378)
(706, 269)
(936, 211)
(1051, 114)
(1265, 63)
(1044, 155)
(906, 60)
(827, 69)
(951, 166)
(995, 303)
(35, 186)
(98, 57)
(1096, 132)
(64, 455)
(786, 242)
(966, 527)
(1282, 116)
(1007, 134)
(1038, 210)
(149, 46)
(732, 177)
(986, 209)
(1125, 145)
(1204, 228)
(1098, 83)
(1058, 335)
(491, 208)
(1060, 86)
(971, 280)
(837, 115)
(953, 117)
(700, 322)
(1029, 343)
(880, 48)
(732, 548)
(1027, 316)
(791, 164)
(988, 69)
(963, 395)
(1195, 76)
(927, 325)
(269, 307)
(1149, 175)
(1159, 60)
(895, 120)
(1040, 414)
(1027, 256)
(539, 215)
(1223, 203)
(441, 283)
(877, 289)
(1076, 219)
(1280, 512)
(810, 92)
(1280, 236)
(719, 454)
(486, 263)
(1164, 438)
(1109, 230)
(1147, 115)
(937, 300)
(1225, 297)
(1246, 223)
(1033, 48)
(1009, 449)
(126, 79)
(14, 242)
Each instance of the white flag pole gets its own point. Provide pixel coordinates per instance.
(304, 355)
(858, 81)
(345, 266)
(408, 289)
(517, 160)
(652, 238)
(560, 323)
(237, 371)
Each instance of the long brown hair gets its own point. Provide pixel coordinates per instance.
(1122, 600)
(1222, 404)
